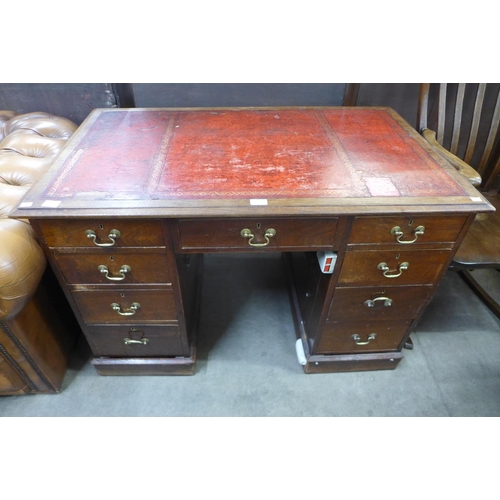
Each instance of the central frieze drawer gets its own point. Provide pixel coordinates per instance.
(139, 341)
(356, 337)
(115, 268)
(126, 306)
(391, 267)
(245, 234)
(103, 233)
(378, 303)
(406, 230)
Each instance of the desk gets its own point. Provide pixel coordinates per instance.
(128, 209)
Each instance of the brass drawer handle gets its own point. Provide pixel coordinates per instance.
(130, 312)
(121, 276)
(396, 231)
(113, 235)
(143, 341)
(371, 303)
(385, 269)
(358, 341)
(246, 233)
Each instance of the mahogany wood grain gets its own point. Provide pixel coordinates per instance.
(187, 181)
(360, 267)
(10, 380)
(145, 366)
(156, 306)
(161, 341)
(225, 234)
(350, 303)
(352, 362)
(368, 230)
(83, 268)
(481, 246)
(37, 342)
(337, 337)
(71, 233)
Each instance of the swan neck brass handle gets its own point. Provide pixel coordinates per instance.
(358, 341)
(130, 312)
(121, 273)
(371, 303)
(246, 233)
(113, 235)
(418, 231)
(128, 341)
(385, 269)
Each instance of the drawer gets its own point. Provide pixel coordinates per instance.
(135, 341)
(73, 233)
(378, 229)
(264, 234)
(378, 303)
(354, 337)
(154, 306)
(362, 267)
(113, 268)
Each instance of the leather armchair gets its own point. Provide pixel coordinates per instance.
(29, 329)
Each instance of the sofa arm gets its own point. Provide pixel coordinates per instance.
(29, 143)
(22, 264)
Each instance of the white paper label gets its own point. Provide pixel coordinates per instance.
(258, 201)
(51, 203)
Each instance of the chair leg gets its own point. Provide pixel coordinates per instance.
(493, 305)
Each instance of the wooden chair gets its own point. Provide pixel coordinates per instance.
(461, 123)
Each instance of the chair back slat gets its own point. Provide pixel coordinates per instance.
(495, 121)
(457, 119)
(441, 112)
(476, 117)
(423, 106)
(492, 179)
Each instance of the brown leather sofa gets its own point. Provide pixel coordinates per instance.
(36, 333)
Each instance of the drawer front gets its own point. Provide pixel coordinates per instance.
(154, 306)
(113, 268)
(378, 303)
(264, 234)
(366, 267)
(361, 337)
(382, 229)
(135, 341)
(73, 233)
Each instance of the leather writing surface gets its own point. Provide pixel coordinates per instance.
(259, 153)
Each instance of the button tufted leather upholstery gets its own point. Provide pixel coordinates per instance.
(29, 143)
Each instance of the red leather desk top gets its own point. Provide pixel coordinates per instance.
(208, 157)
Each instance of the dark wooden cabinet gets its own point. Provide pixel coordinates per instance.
(128, 209)
(35, 345)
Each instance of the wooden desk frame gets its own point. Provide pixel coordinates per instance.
(127, 210)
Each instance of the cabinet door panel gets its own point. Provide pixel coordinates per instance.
(10, 380)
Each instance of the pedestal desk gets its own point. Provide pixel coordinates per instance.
(128, 209)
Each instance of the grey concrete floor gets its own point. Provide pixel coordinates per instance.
(247, 364)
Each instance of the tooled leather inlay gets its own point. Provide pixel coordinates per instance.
(281, 153)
